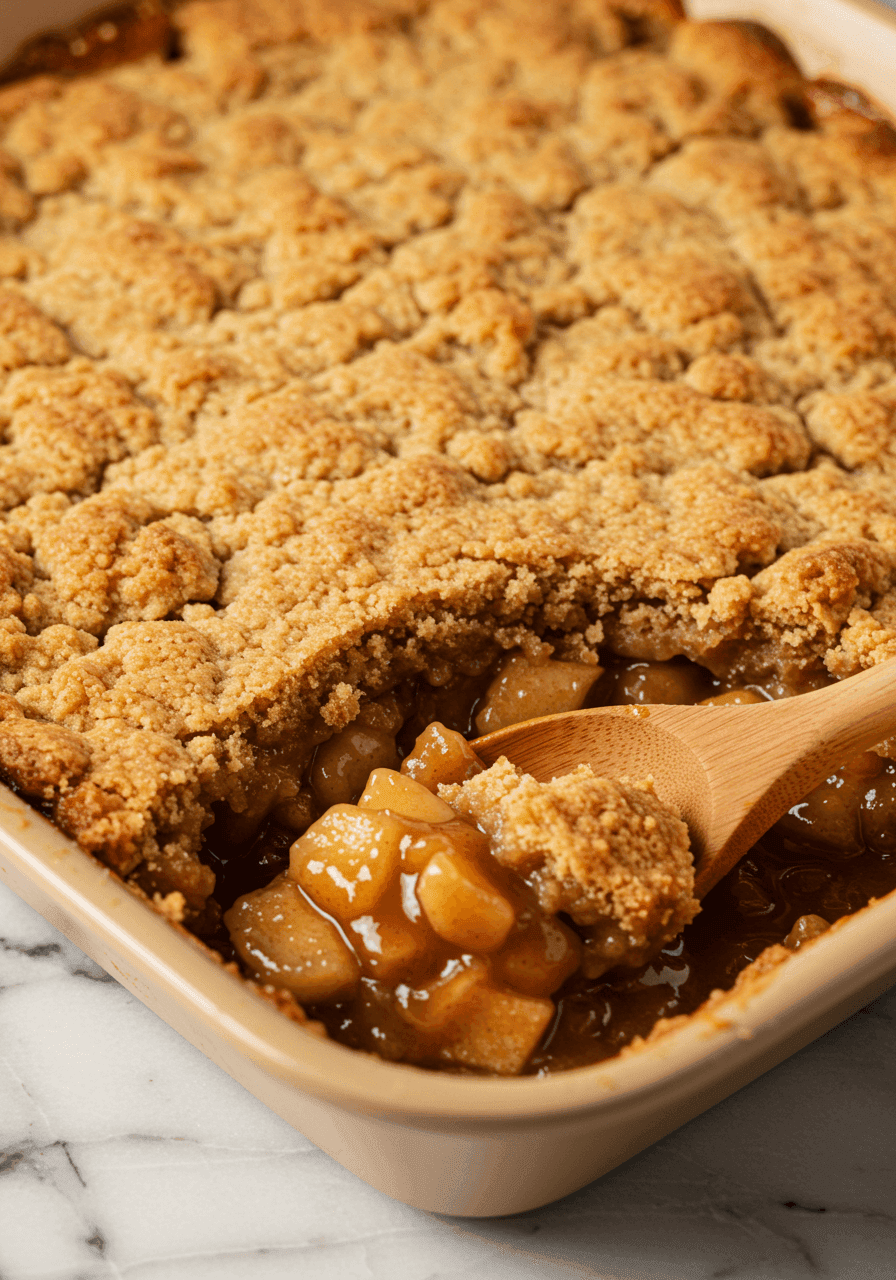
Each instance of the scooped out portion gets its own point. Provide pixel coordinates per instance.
(432, 921)
(607, 852)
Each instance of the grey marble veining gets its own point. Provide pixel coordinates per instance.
(124, 1152)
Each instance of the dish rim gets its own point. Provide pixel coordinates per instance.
(92, 899)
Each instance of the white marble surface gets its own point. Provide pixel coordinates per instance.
(124, 1152)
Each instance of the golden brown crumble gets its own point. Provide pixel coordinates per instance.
(605, 851)
(368, 334)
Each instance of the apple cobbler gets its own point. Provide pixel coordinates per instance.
(372, 365)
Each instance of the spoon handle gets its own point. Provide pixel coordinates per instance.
(787, 748)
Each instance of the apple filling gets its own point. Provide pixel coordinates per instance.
(444, 946)
(474, 920)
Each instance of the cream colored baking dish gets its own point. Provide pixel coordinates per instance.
(456, 1144)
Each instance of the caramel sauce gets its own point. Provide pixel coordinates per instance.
(106, 37)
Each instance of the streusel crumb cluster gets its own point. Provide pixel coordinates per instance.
(370, 334)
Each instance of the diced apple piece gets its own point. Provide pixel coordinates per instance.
(523, 690)
(296, 813)
(388, 789)
(458, 837)
(376, 1022)
(498, 1031)
(804, 930)
(463, 906)
(342, 763)
(541, 957)
(387, 946)
(346, 859)
(282, 940)
(605, 944)
(441, 755)
(445, 997)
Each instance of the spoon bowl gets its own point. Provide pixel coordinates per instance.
(730, 771)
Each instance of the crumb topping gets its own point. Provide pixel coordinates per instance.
(370, 333)
(606, 851)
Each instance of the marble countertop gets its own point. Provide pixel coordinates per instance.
(125, 1153)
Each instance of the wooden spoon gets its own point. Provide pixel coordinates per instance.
(731, 771)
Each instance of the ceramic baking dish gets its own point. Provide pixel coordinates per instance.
(461, 1145)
